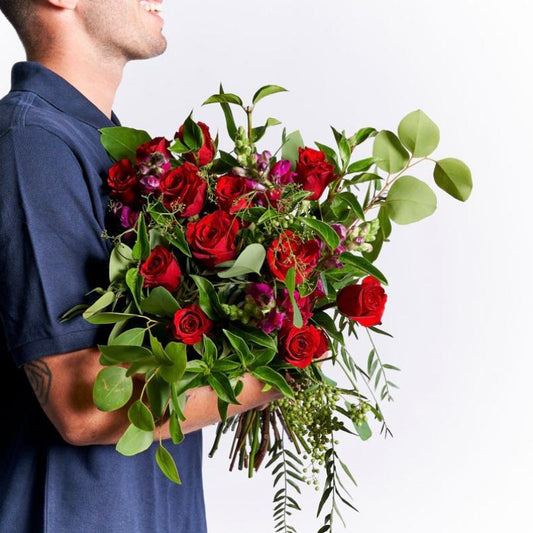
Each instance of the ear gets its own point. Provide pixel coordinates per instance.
(63, 4)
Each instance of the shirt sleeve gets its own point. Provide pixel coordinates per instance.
(52, 252)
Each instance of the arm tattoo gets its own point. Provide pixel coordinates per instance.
(40, 378)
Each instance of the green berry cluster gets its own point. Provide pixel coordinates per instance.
(311, 418)
(358, 413)
(243, 148)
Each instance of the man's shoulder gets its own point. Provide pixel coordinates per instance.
(25, 112)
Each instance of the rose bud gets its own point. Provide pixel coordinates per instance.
(206, 153)
(189, 324)
(313, 172)
(212, 238)
(289, 251)
(184, 189)
(161, 270)
(364, 303)
(299, 346)
(231, 194)
(124, 183)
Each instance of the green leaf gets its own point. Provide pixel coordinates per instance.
(240, 347)
(122, 143)
(140, 416)
(363, 134)
(144, 366)
(325, 231)
(109, 318)
(134, 281)
(363, 265)
(120, 261)
(222, 386)
(104, 301)
(361, 165)
(363, 431)
(348, 199)
(250, 261)
(112, 389)
(208, 300)
(226, 98)
(160, 302)
(255, 335)
(275, 379)
(158, 391)
(210, 351)
(192, 134)
(453, 177)
(159, 352)
(266, 91)
(389, 153)
(290, 283)
(134, 441)
(330, 153)
(177, 352)
(141, 250)
(293, 141)
(178, 147)
(409, 200)
(176, 433)
(228, 115)
(130, 337)
(115, 353)
(322, 319)
(167, 465)
(419, 134)
(259, 131)
(177, 238)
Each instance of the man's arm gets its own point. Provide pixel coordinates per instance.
(63, 384)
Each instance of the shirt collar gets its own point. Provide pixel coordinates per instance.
(34, 77)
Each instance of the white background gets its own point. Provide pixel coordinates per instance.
(460, 287)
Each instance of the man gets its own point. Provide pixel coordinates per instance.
(59, 470)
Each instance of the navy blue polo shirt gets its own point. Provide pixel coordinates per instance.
(53, 202)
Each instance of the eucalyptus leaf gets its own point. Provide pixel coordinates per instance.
(389, 153)
(363, 430)
(124, 353)
(290, 147)
(130, 337)
(158, 391)
(419, 134)
(112, 389)
(134, 441)
(140, 416)
(409, 200)
(120, 261)
(177, 352)
(453, 177)
(250, 261)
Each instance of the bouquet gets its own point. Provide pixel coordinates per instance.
(248, 261)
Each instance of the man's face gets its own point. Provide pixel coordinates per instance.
(124, 29)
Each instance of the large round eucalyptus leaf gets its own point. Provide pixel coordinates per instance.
(454, 177)
(419, 134)
(409, 200)
(389, 153)
(134, 441)
(112, 388)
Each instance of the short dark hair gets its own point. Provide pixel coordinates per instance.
(18, 13)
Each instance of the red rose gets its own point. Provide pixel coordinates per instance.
(190, 324)
(212, 238)
(363, 303)
(184, 189)
(161, 270)
(231, 193)
(313, 172)
(299, 346)
(207, 151)
(289, 251)
(124, 183)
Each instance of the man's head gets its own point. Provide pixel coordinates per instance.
(116, 29)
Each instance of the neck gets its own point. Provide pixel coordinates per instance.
(96, 78)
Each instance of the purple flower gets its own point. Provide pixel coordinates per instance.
(272, 321)
(128, 217)
(150, 182)
(341, 231)
(262, 160)
(281, 173)
(261, 294)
